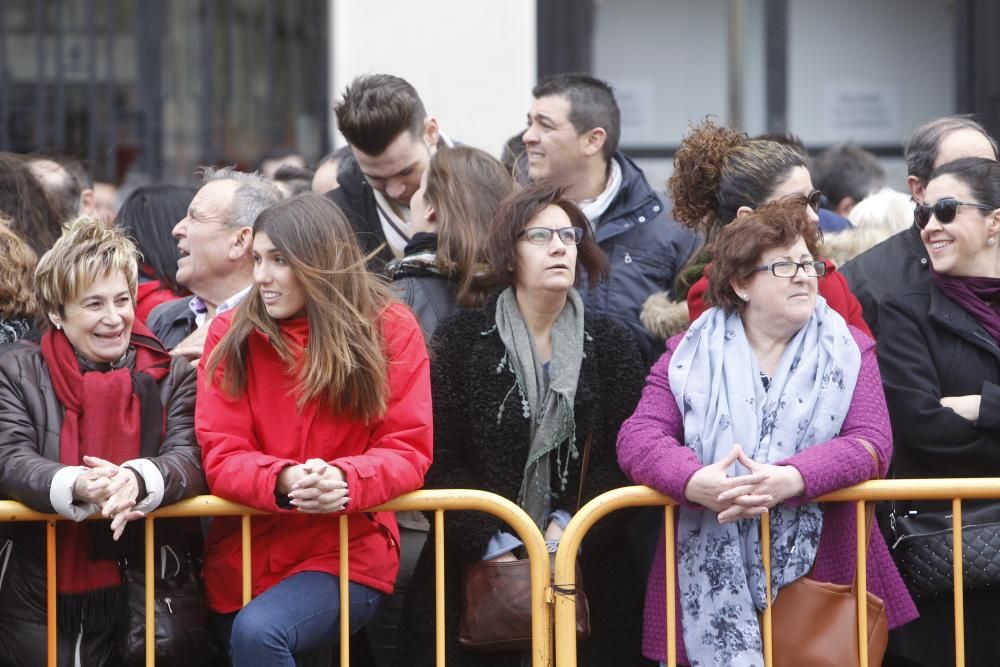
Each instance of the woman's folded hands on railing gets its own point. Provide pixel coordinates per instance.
(113, 488)
(314, 487)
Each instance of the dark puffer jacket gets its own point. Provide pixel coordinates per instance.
(419, 283)
(646, 248)
(30, 422)
(478, 445)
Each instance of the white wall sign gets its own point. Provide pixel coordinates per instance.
(861, 112)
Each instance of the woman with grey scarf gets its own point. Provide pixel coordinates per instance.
(767, 402)
(520, 387)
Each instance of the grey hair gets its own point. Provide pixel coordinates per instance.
(254, 193)
(922, 147)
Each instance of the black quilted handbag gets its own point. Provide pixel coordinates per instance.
(923, 552)
(182, 620)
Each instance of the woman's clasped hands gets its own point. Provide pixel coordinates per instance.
(111, 487)
(315, 487)
(744, 496)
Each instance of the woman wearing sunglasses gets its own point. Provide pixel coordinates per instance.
(767, 402)
(941, 366)
(719, 175)
(526, 389)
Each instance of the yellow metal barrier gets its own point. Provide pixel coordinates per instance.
(954, 490)
(437, 501)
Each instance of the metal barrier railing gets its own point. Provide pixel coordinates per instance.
(955, 490)
(437, 501)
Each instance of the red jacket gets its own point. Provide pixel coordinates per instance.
(832, 286)
(248, 439)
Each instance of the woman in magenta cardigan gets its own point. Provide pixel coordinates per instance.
(768, 401)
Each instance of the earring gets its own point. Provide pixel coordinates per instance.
(745, 297)
(991, 241)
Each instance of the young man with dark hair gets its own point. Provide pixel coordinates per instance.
(392, 139)
(572, 140)
(902, 259)
(846, 174)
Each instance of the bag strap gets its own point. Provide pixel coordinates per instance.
(583, 469)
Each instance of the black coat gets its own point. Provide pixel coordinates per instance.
(931, 347)
(899, 261)
(357, 200)
(475, 449)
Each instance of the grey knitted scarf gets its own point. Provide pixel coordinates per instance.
(549, 405)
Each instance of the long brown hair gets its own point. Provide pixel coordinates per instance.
(465, 186)
(344, 365)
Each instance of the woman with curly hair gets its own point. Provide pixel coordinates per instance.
(17, 296)
(719, 175)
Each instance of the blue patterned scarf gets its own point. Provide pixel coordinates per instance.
(715, 378)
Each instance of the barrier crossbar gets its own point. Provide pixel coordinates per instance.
(437, 501)
(954, 490)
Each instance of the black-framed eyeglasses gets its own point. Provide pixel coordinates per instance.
(785, 269)
(542, 235)
(945, 211)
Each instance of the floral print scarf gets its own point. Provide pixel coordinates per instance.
(715, 378)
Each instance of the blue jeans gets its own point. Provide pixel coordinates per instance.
(297, 615)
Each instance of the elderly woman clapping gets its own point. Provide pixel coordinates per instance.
(767, 402)
(98, 418)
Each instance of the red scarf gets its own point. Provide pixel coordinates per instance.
(104, 417)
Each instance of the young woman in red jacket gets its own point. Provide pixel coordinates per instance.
(313, 400)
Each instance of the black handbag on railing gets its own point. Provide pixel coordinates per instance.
(182, 620)
(922, 549)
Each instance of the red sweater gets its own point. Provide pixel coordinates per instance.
(248, 439)
(832, 286)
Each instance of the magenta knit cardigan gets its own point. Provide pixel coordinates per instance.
(651, 452)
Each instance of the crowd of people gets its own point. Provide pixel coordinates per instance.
(414, 313)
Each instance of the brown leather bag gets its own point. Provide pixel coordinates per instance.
(815, 623)
(496, 605)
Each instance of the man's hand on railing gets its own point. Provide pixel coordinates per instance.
(322, 489)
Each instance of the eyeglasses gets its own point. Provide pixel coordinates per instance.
(945, 211)
(813, 269)
(542, 235)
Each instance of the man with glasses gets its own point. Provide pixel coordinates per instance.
(902, 259)
(572, 141)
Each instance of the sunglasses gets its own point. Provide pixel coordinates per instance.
(945, 211)
(814, 200)
(542, 235)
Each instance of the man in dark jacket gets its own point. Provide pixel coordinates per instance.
(902, 259)
(392, 139)
(572, 140)
(215, 242)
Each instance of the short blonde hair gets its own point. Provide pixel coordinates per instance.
(17, 265)
(87, 250)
